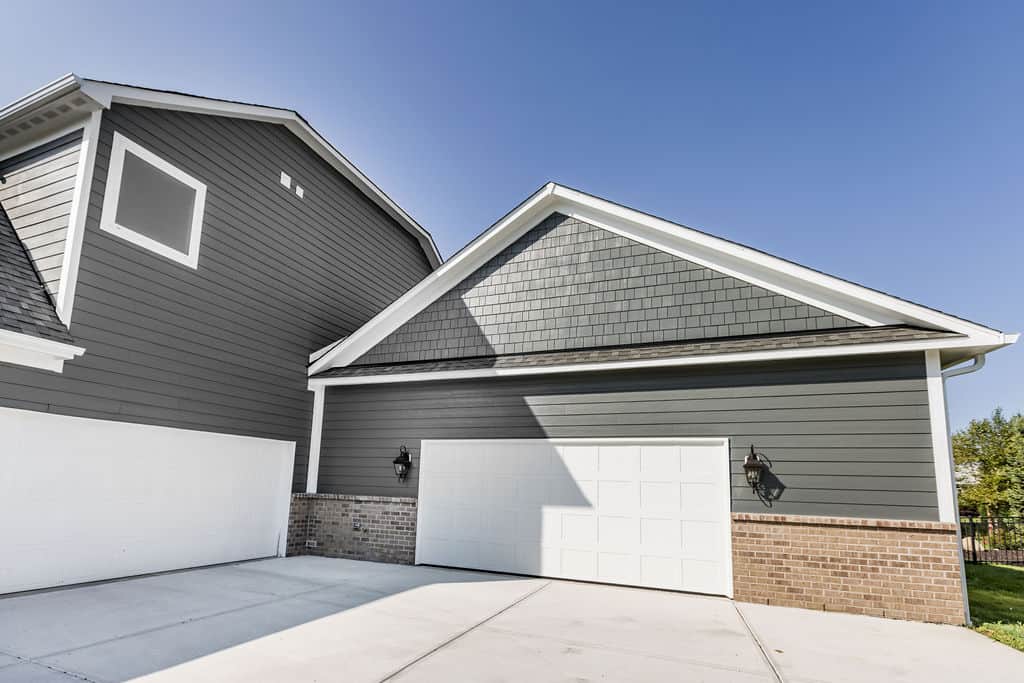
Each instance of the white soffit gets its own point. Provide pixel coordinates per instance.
(864, 305)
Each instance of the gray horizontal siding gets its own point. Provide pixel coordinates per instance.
(848, 437)
(36, 194)
(566, 284)
(223, 348)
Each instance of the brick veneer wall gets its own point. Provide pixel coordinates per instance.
(887, 568)
(386, 533)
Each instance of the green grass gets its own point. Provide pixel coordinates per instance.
(996, 593)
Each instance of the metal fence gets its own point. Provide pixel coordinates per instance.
(993, 539)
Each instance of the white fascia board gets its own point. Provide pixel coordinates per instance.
(109, 93)
(76, 220)
(855, 302)
(945, 481)
(34, 352)
(315, 436)
(50, 91)
(476, 253)
(321, 351)
(739, 357)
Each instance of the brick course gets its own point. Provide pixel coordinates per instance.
(386, 533)
(886, 568)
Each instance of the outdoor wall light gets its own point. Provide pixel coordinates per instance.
(754, 466)
(403, 463)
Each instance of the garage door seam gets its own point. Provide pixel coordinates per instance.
(776, 671)
(459, 635)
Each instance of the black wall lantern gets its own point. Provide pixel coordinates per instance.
(754, 466)
(763, 482)
(403, 463)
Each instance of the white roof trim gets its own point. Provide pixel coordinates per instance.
(35, 352)
(847, 299)
(718, 358)
(105, 94)
(51, 91)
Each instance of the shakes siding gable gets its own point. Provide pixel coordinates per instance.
(566, 284)
(223, 348)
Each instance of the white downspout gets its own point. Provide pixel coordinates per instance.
(977, 364)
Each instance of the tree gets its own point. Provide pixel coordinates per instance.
(989, 457)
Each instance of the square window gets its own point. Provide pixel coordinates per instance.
(153, 204)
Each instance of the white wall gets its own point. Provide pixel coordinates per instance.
(83, 500)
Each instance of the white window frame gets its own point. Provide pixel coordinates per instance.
(112, 193)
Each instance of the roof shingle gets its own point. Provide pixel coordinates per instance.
(863, 335)
(25, 306)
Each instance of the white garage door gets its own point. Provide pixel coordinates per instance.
(643, 512)
(82, 500)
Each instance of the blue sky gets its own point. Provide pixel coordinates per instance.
(881, 142)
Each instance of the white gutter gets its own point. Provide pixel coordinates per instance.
(978, 364)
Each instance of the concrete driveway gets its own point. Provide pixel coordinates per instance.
(315, 619)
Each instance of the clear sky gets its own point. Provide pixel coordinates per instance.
(880, 142)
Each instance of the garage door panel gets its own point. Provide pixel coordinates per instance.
(619, 568)
(701, 464)
(660, 497)
(701, 540)
(618, 496)
(579, 530)
(618, 462)
(660, 463)
(618, 533)
(701, 576)
(648, 512)
(580, 462)
(580, 565)
(661, 572)
(700, 501)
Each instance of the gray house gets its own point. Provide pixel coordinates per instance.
(590, 392)
(219, 340)
(167, 263)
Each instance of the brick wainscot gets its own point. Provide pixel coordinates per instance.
(355, 527)
(886, 568)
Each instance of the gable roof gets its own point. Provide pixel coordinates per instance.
(101, 94)
(30, 331)
(843, 298)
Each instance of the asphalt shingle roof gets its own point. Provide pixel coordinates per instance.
(25, 306)
(863, 335)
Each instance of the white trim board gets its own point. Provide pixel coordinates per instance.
(315, 436)
(847, 299)
(36, 352)
(76, 220)
(945, 482)
(678, 361)
(111, 196)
